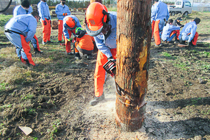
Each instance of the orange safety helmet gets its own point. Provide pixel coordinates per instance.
(95, 18)
(71, 22)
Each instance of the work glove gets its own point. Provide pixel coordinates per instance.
(45, 22)
(113, 70)
(70, 39)
(111, 58)
(37, 51)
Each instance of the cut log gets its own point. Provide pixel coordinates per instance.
(55, 24)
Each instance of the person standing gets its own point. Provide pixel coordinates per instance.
(44, 13)
(102, 25)
(70, 23)
(152, 24)
(20, 30)
(169, 31)
(24, 8)
(61, 10)
(189, 33)
(160, 15)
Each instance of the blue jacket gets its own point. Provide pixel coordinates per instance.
(44, 11)
(60, 9)
(24, 24)
(66, 27)
(160, 11)
(18, 10)
(110, 43)
(167, 31)
(152, 10)
(188, 28)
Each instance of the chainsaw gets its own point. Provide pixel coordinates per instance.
(110, 67)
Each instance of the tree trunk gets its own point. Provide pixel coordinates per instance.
(133, 51)
(95, 1)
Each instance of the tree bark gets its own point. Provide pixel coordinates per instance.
(95, 1)
(133, 51)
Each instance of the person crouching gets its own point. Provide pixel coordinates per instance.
(83, 44)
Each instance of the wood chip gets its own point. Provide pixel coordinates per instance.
(26, 130)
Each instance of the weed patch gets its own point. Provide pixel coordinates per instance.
(16, 75)
(169, 56)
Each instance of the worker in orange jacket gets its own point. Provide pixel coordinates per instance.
(83, 44)
(102, 25)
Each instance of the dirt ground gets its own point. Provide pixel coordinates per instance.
(57, 105)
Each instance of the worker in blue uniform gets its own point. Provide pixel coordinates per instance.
(44, 13)
(20, 30)
(169, 31)
(189, 33)
(160, 15)
(61, 11)
(24, 8)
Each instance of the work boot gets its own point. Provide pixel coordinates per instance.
(191, 45)
(77, 56)
(158, 45)
(70, 53)
(49, 41)
(96, 100)
(36, 65)
(170, 42)
(25, 61)
(37, 51)
(59, 41)
(44, 43)
(176, 40)
(181, 41)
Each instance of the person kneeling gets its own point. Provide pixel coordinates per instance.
(189, 33)
(169, 31)
(83, 43)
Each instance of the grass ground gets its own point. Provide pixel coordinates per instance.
(51, 98)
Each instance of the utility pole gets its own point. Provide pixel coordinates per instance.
(132, 65)
(95, 1)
